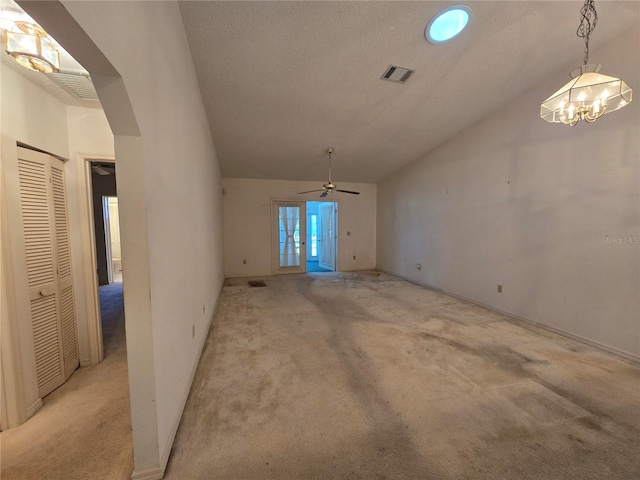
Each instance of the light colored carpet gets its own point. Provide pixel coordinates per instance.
(355, 376)
(364, 376)
(83, 431)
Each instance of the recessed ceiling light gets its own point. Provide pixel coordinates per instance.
(448, 24)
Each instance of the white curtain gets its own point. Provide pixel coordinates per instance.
(289, 225)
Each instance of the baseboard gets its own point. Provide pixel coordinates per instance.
(271, 274)
(85, 362)
(629, 357)
(248, 275)
(157, 473)
(154, 473)
(34, 407)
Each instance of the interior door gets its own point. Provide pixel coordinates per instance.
(48, 262)
(289, 237)
(63, 259)
(327, 234)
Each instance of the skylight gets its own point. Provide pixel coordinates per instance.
(448, 24)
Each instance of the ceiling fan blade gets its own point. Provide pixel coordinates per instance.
(99, 170)
(324, 194)
(348, 191)
(312, 191)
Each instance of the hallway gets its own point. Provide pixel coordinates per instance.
(83, 431)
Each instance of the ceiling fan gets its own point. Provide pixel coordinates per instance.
(103, 168)
(329, 187)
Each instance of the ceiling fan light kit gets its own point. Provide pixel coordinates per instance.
(589, 94)
(329, 187)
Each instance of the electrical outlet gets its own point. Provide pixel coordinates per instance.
(499, 288)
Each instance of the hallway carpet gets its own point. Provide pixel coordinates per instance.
(365, 376)
(83, 431)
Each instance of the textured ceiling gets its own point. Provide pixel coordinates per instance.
(282, 81)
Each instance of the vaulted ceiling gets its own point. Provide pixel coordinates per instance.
(282, 81)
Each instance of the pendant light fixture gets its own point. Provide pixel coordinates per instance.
(589, 94)
(32, 48)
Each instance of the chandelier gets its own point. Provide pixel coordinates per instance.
(589, 94)
(32, 48)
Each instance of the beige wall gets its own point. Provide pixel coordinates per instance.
(519, 202)
(31, 116)
(247, 223)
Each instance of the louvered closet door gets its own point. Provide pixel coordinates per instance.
(37, 214)
(48, 268)
(63, 254)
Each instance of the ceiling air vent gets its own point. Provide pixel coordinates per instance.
(77, 84)
(397, 74)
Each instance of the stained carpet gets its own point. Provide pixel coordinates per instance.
(83, 431)
(365, 376)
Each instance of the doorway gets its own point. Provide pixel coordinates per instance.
(112, 239)
(103, 188)
(106, 224)
(289, 240)
(322, 238)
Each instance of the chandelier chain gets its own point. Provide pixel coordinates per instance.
(588, 20)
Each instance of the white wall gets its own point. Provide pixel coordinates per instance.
(516, 201)
(89, 137)
(247, 223)
(169, 191)
(31, 116)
